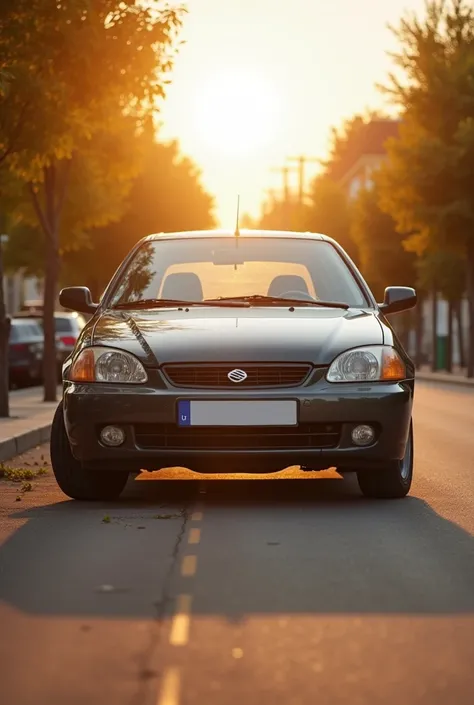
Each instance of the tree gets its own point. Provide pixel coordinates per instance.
(77, 69)
(329, 213)
(427, 183)
(382, 257)
(166, 196)
(443, 271)
(283, 215)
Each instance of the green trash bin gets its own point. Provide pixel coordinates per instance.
(441, 352)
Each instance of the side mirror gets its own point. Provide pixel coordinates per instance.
(77, 298)
(398, 299)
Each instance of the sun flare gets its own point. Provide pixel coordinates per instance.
(236, 112)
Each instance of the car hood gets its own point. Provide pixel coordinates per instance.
(313, 335)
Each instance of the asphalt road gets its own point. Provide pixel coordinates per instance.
(286, 592)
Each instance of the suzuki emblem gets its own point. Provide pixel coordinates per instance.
(237, 376)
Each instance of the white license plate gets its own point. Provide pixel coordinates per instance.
(237, 413)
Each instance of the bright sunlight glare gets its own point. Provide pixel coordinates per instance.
(236, 112)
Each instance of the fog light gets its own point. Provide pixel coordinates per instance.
(363, 435)
(112, 436)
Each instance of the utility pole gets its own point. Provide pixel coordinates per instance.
(285, 170)
(302, 161)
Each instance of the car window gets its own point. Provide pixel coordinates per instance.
(252, 277)
(63, 325)
(24, 330)
(212, 267)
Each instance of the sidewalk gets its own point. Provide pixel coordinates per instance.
(29, 424)
(456, 377)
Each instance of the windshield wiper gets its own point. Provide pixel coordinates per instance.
(162, 303)
(261, 299)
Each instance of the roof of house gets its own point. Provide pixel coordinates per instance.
(371, 142)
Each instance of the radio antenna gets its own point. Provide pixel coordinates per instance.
(237, 231)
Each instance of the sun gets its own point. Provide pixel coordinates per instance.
(236, 112)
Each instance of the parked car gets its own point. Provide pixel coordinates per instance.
(236, 353)
(25, 351)
(68, 327)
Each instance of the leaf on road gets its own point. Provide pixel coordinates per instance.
(111, 588)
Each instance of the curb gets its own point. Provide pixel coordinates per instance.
(458, 381)
(22, 442)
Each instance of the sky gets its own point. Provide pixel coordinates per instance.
(258, 81)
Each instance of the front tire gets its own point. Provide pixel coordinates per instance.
(393, 481)
(72, 478)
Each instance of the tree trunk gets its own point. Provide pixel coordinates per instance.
(419, 333)
(49, 306)
(4, 337)
(434, 335)
(470, 298)
(449, 342)
(49, 216)
(462, 354)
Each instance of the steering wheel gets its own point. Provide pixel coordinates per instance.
(297, 295)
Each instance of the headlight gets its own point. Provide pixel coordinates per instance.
(107, 365)
(377, 363)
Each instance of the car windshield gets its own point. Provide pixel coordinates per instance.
(198, 269)
(24, 330)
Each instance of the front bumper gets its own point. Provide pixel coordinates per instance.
(338, 407)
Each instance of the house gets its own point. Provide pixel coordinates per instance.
(366, 155)
(17, 289)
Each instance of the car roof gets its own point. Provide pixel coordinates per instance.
(270, 234)
(22, 315)
(24, 320)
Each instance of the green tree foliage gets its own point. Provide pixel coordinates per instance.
(330, 213)
(427, 185)
(283, 215)
(382, 258)
(345, 144)
(167, 196)
(77, 68)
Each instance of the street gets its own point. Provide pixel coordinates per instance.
(291, 591)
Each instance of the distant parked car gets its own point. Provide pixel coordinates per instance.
(25, 351)
(68, 327)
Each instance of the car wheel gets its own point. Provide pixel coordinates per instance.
(393, 481)
(72, 478)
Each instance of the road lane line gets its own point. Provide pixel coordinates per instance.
(196, 516)
(194, 536)
(170, 688)
(180, 626)
(188, 566)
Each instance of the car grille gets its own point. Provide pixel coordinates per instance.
(169, 436)
(205, 376)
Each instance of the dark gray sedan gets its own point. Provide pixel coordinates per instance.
(25, 351)
(246, 352)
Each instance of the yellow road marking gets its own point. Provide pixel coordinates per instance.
(196, 516)
(170, 688)
(194, 536)
(180, 626)
(188, 566)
